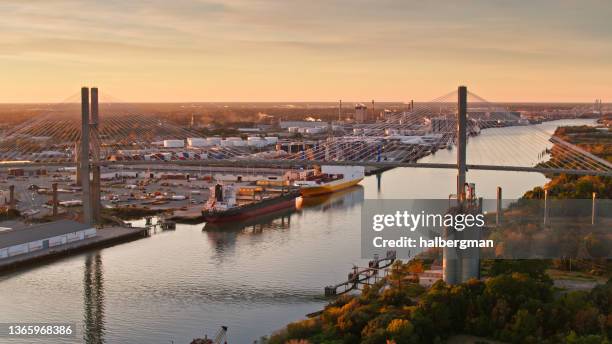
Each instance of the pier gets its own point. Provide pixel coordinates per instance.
(104, 237)
(362, 275)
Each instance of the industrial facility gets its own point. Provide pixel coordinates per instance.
(14, 242)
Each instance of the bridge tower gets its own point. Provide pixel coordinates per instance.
(95, 140)
(458, 266)
(84, 156)
(461, 141)
(89, 132)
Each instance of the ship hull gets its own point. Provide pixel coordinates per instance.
(250, 211)
(264, 219)
(312, 191)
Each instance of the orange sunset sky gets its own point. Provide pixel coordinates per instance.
(259, 50)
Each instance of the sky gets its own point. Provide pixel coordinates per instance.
(286, 50)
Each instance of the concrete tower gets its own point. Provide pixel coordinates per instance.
(460, 265)
(95, 140)
(84, 156)
(461, 141)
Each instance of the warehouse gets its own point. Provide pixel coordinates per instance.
(53, 234)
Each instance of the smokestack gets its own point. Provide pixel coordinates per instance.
(373, 113)
(412, 105)
(340, 111)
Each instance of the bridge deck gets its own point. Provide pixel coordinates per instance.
(305, 162)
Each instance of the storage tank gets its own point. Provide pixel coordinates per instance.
(239, 143)
(227, 143)
(368, 131)
(315, 130)
(174, 143)
(271, 140)
(213, 141)
(257, 142)
(197, 142)
(390, 132)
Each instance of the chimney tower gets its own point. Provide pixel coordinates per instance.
(373, 113)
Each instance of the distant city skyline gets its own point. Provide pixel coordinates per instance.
(260, 50)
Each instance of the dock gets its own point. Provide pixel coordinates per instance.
(192, 215)
(369, 171)
(363, 275)
(105, 237)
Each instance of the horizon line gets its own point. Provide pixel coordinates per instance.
(296, 101)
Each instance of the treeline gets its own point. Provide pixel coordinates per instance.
(564, 186)
(517, 304)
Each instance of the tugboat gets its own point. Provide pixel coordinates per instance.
(222, 206)
(331, 179)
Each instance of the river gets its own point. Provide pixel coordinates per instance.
(177, 285)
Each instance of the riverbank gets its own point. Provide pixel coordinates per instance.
(390, 310)
(181, 284)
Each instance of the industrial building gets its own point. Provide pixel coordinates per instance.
(302, 124)
(361, 113)
(443, 124)
(43, 236)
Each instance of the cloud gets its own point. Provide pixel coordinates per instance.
(339, 37)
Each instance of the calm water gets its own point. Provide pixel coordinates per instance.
(177, 285)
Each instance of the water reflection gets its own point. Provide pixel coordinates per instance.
(278, 220)
(223, 237)
(344, 199)
(93, 291)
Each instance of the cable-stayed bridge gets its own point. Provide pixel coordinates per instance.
(125, 135)
(111, 133)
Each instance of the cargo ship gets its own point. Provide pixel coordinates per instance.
(275, 219)
(222, 206)
(330, 179)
